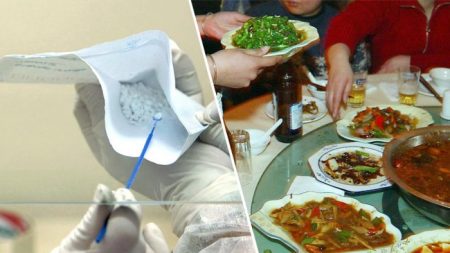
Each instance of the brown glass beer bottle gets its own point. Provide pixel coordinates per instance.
(287, 101)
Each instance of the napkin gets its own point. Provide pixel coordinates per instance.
(370, 88)
(303, 184)
(390, 90)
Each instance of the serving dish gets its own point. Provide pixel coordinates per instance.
(431, 207)
(264, 222)
(312, 36)
(424, 119)
(413, 242)
(318, 166)
(307, 117)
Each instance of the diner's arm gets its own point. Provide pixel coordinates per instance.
(424, 61)
(340, 77)
(236, 68)
(216, 25)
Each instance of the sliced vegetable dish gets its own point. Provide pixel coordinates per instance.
(374, 122)
(332, 226)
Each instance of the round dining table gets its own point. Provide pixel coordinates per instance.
(275, 169)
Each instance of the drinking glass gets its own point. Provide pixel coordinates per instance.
(242, 155)
(358, 92)
(408, 85)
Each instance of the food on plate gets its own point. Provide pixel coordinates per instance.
(374, 122)
(310, 107)
(354, 167)
(332, 226)
(431, 241)
(426, 168)
(273, 31)
(437, 247)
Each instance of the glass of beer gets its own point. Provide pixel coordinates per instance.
(408, 85)
(357, 95)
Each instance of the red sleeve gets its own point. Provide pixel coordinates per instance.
(360, 19)
(428, 61)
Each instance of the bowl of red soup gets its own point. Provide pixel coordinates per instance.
(418, 161)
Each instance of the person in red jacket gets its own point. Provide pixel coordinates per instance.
(400, 32)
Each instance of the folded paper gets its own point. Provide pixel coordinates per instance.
(137, 79)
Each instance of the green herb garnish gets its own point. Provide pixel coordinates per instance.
(362, 153)
(307, 240)
(364, 214)
(343, 235)
(273, 31)
(377, 221)
(365, 168)
(378, 133)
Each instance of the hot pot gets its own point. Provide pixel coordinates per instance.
(429, 206)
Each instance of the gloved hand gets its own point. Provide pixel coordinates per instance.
(210, 115)
(203, 173)
(123, 230)
(188, 83)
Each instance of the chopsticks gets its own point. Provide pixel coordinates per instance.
(430, 88)
(318, 86)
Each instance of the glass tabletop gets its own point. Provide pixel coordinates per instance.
(293, 161)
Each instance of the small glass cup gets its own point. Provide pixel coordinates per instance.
(357, 95)
(408, 84)
(242, 155)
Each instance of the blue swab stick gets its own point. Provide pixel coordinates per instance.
(132, 178)
(157, 117)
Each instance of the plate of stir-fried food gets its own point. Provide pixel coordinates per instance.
(381, 123)
(284, 37)
(434, 241)
(353, 166)
(313, 109)
(323, 222)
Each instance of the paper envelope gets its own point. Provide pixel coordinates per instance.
(143, 59)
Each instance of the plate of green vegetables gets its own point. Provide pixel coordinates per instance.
(284, 37)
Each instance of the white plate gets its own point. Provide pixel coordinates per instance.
(424, 119)
(317, 166)
(264, 223)
(426, 92)
(311, 36)
(307, 117)
(413, 242)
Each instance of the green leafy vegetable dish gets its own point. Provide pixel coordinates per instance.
(273, 31)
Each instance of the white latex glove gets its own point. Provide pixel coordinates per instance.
(210, 115)
(186, 79)
(188, 83)
(123, 230)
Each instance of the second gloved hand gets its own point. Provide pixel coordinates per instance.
(123, 231)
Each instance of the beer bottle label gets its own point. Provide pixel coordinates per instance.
(296, 112)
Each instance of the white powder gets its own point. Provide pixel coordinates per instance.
(139, 102)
